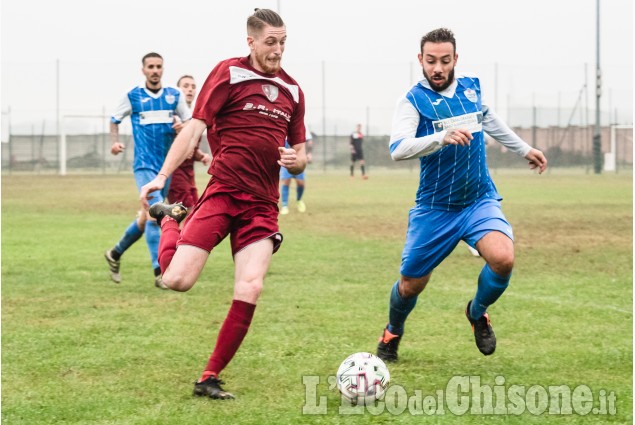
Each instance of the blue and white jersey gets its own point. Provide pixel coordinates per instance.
(452, 177)
(152, 117)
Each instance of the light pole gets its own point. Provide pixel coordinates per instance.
(597, 136)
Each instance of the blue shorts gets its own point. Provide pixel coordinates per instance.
(145, 176)
(433, 234)
(285, 174)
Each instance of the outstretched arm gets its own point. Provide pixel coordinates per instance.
(537, 160)
(500, 131)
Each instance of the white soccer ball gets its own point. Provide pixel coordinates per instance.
(362, 378)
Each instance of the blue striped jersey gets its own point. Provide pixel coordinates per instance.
(152, 117)
(451, 177)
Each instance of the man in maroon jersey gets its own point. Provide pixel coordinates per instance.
(249, 105)
(183, 186)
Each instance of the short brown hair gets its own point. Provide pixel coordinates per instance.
(261, 18)
(184, 76)
(150, 55)
(440, 35)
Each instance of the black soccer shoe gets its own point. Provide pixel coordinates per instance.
(388, 346)
(211, 387)
(176, 211)
(483, 332)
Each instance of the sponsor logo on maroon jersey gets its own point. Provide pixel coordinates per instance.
(270, 91)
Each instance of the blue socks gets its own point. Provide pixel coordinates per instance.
(130, 236)
(284, 194)
(400, 308)
(133, 233)
(490, 287)
(153, 234)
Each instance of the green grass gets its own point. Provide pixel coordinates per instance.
(78, 349)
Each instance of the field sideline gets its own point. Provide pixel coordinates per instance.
(79, 349)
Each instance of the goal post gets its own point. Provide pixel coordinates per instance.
(610, 157)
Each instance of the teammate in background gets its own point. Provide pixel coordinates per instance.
(249, 106)
(183, 185)
(441, 120)
(151, 108)
(357, 151)
(286, 176)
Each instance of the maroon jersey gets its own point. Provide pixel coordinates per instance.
(249, 115)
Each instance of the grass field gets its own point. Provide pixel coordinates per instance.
(78, 349)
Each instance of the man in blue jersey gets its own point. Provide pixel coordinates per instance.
(441, 121)
(152, 109)
(285, 180)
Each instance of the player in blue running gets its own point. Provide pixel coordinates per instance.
(441, 121)
(285, 180)
(152, 109)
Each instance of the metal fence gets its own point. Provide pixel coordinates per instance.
(90, 153)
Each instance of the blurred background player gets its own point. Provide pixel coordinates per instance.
(357, 151)
(441, 120)
(300, 180)
(183, 184)
(241, 198)
(182, 187)
(151, 108)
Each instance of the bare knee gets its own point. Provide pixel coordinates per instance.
(503, 265)
(411, 287)
(175, 282)
(498, 250)
(248, 290)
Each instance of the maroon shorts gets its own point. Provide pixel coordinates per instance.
(223, 211)
(183, 188)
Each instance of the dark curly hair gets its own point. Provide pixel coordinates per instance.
(440, 35)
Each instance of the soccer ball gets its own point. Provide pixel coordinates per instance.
(362, 378)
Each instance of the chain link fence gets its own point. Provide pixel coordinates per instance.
(90, 153)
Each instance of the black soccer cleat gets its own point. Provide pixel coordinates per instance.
(483, 332)
(388, 346)
(211, 387)
(176, 211)
(113, 266)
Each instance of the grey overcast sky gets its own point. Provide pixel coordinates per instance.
(353, 58)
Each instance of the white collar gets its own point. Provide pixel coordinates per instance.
(447, 92)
